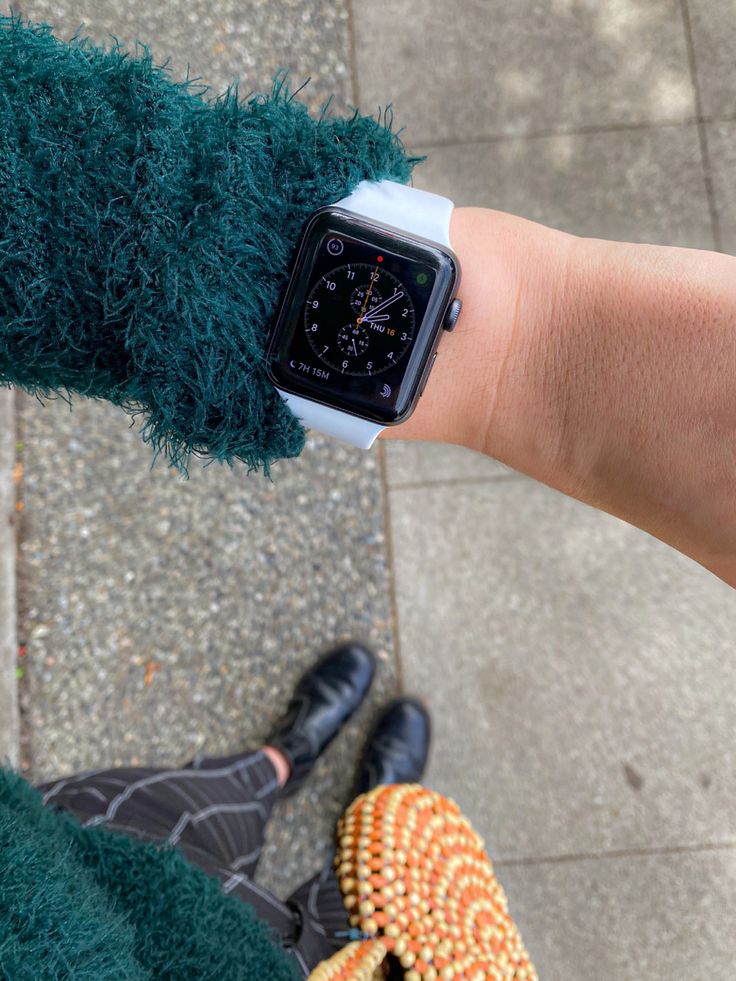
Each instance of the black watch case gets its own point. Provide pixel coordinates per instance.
(362, 316)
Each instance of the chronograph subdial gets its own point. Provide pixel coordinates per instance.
(359, 319)
(358, 298)
(353, 340)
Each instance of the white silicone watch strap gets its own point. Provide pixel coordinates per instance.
(350, 429)
(419, 212)
(408, 209)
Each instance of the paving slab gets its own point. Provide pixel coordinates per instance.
(639, 185)
(485, 67)
(588, 691)
(722, 150)
(413, 462)
(714, 42)
(9, 730)
(640, 916)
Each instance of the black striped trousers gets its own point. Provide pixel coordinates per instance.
(215, 811)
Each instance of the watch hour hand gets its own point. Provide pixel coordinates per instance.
(370, 314)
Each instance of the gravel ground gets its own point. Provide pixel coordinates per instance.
(165, 618)
(8, 640)
(230, 40)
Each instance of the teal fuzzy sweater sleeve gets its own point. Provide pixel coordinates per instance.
(146, 235)
(89, 905)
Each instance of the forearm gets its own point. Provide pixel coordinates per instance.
(603, 369)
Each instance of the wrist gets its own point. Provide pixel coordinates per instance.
(498, 384)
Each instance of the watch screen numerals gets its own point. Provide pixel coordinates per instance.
(360, 308)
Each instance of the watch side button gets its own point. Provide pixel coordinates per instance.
(453, 312)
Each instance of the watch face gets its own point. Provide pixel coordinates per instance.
(361, 317)
(376, 315)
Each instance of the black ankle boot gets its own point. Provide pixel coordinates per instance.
(324, 699)
(398, 747)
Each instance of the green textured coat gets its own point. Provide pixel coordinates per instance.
(146, 234)
(85, 904)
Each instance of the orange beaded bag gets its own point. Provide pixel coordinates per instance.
(419, 885)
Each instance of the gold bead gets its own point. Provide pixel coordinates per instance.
(407, 958)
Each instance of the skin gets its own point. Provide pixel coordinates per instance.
(279, 762)
(604, 369)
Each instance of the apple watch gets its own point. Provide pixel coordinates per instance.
(372, 290)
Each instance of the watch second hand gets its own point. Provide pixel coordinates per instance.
(368, 295)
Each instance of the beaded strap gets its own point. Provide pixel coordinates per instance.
(419, 885)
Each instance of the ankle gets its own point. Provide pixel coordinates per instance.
(280, 764)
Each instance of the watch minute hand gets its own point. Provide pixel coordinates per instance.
(382, 306)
